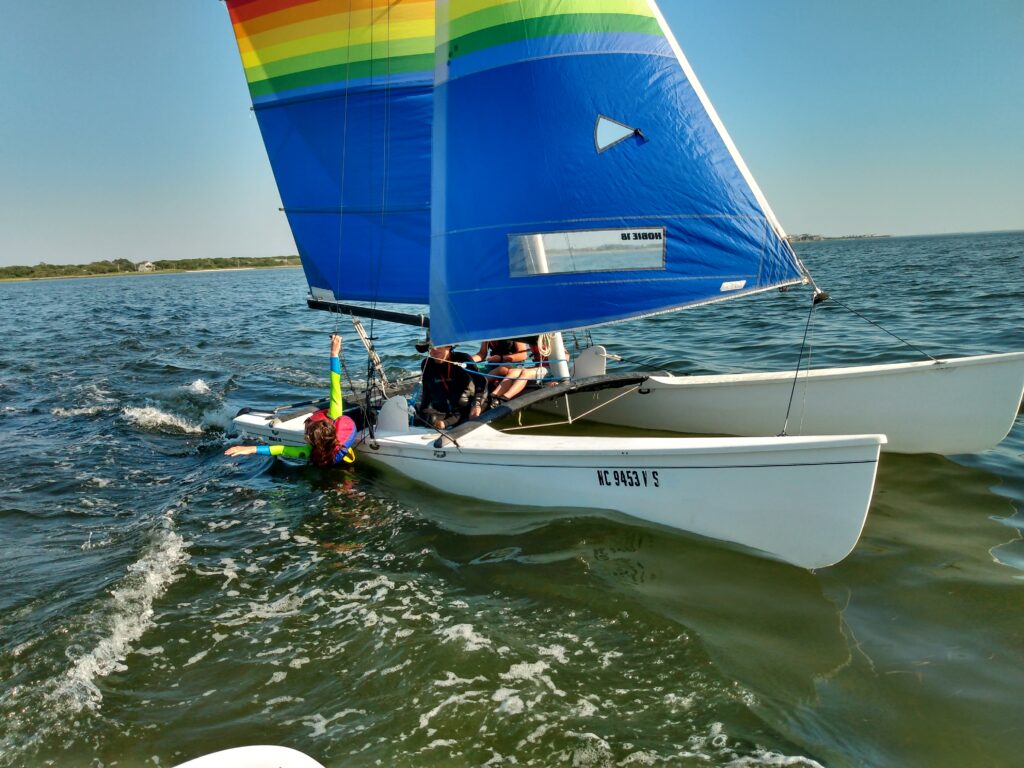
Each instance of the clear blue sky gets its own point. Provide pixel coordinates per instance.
(125, 128)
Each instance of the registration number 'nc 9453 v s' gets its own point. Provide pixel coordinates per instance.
(629, 478)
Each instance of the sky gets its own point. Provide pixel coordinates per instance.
(125, 128)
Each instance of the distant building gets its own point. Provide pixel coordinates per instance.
(146, 266)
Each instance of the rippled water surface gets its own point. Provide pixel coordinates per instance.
(160, 601)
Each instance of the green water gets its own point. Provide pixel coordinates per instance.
(160, 602)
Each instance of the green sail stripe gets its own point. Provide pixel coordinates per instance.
(341, 73)
(396, 49)
(511, 12)
(551, 26)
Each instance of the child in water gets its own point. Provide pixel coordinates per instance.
(329, 434)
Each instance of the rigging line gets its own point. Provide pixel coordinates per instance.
(880, 327)
(803, 399)
(344, 156)
(803, 344)
(375, 288)
(386, 148)
(569, 419)
(353, 390)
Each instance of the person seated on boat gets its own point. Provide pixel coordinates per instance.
(329, 433)
(498, 354)
(534, 371)
(450, 392)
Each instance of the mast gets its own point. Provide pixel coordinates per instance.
(538, 256)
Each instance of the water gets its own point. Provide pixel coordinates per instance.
(160, 601)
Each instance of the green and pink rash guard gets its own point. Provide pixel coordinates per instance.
(334, 412)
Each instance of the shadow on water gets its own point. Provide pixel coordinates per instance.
(929, 611)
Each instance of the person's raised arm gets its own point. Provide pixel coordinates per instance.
(336, 407)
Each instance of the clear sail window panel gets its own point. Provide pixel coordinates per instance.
(589, 250)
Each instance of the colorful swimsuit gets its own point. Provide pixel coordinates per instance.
(345, 428)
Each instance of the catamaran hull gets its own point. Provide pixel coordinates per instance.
(958, 405)
(803, 500)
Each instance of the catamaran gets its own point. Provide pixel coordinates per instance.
(540, 167)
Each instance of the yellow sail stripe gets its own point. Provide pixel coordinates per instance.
(366, 34)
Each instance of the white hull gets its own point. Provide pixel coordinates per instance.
(960, 405)
(254, 757)
(801, 500)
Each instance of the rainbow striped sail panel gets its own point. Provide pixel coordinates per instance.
(581, 175)
(478, 35)
(342, 90)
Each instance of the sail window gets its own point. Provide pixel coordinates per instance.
(590, 250)
(608, 133)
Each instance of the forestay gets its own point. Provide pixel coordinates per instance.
(581, 176)
(343, 95)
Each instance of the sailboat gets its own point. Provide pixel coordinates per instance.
(550, 166)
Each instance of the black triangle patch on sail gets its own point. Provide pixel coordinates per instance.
(608, 133)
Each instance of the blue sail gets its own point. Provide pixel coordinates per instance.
(581, 176)
(344, 98)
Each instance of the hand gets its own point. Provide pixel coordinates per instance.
(241, 450)
(335, 345)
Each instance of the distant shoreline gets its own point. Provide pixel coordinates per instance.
(145, 274)
(805, 238)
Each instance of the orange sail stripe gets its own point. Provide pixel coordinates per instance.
(257, 10)
(303, 22)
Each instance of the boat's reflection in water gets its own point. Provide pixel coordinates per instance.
(765, 624)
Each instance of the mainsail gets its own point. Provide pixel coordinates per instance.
(343, 94)
(581, 176)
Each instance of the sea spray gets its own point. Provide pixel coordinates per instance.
(149, 417)
(130, 615)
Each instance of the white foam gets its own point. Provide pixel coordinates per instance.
(509, 702)
(585, 709)
(452, 679)
(557, 652)
(451, 700)
(606, 658)
(220, 417)
(641, 758)
(595, 750)
(149, 417)
(466, 634)
(677, 702)
(318, 723)
(66, 413)
(130, 616)
(283, 700)
(198, 657)
(396, 668)
(763, 757)
(198, 387)
(436, 743)
(525, 671)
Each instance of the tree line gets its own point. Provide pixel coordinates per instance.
(123, 266)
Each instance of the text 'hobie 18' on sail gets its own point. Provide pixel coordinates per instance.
(527, 168)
